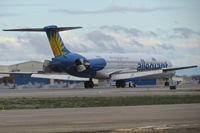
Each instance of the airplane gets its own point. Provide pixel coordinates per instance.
(116, 67)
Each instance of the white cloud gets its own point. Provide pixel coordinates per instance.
(190, 43)
(149, 42)
(12, 42)
(18, 48)
(113, 9)
(186, 60)
(120, 38)
(75, 43)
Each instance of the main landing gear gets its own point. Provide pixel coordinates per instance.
(171, 84)
(166, 82)
(122, 84)
(89, 84)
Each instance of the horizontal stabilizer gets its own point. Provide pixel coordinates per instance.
(51, 28)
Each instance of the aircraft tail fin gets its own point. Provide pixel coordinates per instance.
(53, 35)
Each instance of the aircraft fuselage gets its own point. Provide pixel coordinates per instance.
(102, 65)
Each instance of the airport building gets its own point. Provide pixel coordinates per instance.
(21, 79)
(30, 66)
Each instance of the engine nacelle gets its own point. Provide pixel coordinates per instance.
(97, 64)
(68, 60)
(73, 63)
(49, 68)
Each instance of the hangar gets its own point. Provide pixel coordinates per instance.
(20, 79)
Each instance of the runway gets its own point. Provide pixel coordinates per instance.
(100, 118)
(106, 119)
(105, 92)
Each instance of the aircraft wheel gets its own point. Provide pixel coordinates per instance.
(166, 83)
(132, 84)
(123, 83)
(172, 87)
(88, 84)
(120, 83)
(91, 84)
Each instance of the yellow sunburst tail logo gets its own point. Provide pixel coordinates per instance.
(55, 41)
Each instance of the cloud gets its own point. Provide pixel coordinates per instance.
(151, 33)
(188, 59)
(112, 9)
(20, 5)
(11, 42)
(124, 39)
(98, 35)
(117, 39)
(8, 14)
(117, 28)
(167, 47)
(74, 43)
(113, 41)
(23, 48)
(99, 41)
(104, 42)
(135, 32)
(38, 43)
(185, 32)
(150, 41)
(190, 43)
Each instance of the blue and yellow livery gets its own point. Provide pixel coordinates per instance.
(55, 41)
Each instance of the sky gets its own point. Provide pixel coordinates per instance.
(165, 27)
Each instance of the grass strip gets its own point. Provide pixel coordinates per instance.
(75, 102)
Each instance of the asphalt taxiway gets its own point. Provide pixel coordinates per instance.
(100, 92)
(105, 119)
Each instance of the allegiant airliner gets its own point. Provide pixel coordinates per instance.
(117, 67)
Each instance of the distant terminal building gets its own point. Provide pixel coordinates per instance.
(30, 66)
(4, 78)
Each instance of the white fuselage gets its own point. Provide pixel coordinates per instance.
(125, 63)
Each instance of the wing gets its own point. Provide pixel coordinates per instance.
(59, 76)
(178, 68)
(139, 74)
(50, 76)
